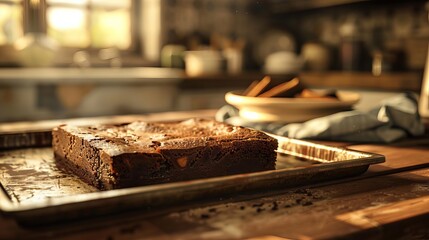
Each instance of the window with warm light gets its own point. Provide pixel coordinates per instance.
(73, 23)
(10, 21)
(90, 23)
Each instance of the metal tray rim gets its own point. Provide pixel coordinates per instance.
(8, 207)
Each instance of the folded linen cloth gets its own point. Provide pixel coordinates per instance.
(394, 118)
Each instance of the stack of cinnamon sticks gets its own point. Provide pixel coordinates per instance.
(288, 89)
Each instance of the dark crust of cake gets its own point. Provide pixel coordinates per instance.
(139, 153)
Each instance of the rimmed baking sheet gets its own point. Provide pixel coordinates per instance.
(34, 187)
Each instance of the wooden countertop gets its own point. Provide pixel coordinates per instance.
(389, 201)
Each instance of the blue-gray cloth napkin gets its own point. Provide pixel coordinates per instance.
(394, 118)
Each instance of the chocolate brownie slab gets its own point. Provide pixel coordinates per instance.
(143, 153)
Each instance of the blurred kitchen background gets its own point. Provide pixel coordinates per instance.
(79, 58)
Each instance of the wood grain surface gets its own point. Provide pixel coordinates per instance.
(388, 202)
(304, 213)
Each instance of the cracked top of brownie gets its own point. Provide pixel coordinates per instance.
(152, 137)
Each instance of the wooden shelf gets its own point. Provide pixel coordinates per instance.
(394, 81)
(282, 6)
(298, 6)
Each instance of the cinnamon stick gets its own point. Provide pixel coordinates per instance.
(281, 88)
(259, 87)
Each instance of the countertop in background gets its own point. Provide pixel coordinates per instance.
(46, 93)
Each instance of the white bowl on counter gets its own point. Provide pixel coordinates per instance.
(288, 110)
(283, 62)
(203, 62)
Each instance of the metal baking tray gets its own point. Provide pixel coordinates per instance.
(33, 187)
